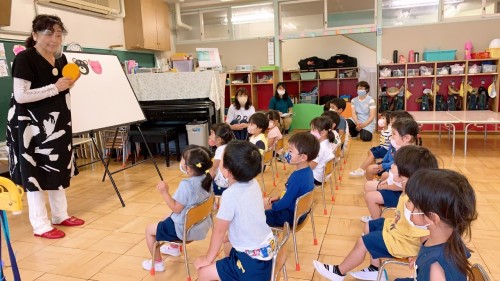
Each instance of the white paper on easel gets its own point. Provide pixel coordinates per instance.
(208, 57)
(4, 72)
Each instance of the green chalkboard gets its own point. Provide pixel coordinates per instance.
(145, 59)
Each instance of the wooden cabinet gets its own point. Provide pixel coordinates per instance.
(5, 11)
(146, 25)
(309, 87)
(260, 86)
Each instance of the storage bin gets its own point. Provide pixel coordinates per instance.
(269, 67)
(295, 76)
(308, 75)
(443, 71)
(385, 72)
(457, 69)
(439, 55)
(480, 55)
(413, 72)
(426, 71)
(494, 52)
(327, 74)
(398, 72)
(474, 69)
(488, 68)
(307, 97)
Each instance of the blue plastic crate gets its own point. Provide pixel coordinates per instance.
(307, 97)
(440, 55)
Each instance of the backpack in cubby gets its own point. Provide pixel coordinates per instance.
(482, 99)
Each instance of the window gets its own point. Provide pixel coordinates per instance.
(342, 13)
(192, 19)
(462, 8)
(215, 24)
(253, 21)
(409, 12)
(297, 16)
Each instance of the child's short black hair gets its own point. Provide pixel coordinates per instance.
(412, 158)
(260, 120)
(334, 116)
(406, 126)
(339, 103)
(306, 144)
(364, 84)
(223, 131)
(400, 114)
(327, 106)
(242, 159)
(387, 115)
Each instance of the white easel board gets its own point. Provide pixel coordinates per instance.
(102, 97)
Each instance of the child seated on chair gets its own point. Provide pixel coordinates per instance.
(302, 148)
(251, 244)
(220, 135)
(394, 237)
(274, 130)
(444, 202)
(195, 161)
(335, 118)
(385, 122)
(257, 125)
(321, 128)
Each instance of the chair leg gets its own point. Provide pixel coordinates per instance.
(331, 187)
(335, 177)
(285, 275)
(315, 241)
(263, 183)
(273, 171)
(297, 264)
(186, 262)
(323, 193)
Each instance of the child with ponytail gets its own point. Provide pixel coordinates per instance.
(220, 136)
(444, 202)
(195, 163)
(321, 128)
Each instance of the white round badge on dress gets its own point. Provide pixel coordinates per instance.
(55, 72)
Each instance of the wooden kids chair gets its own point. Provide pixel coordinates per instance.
(479, 273)
(280, 144)
(267, 160)
(303, 206)
(328, 172)
(279, 259)
(194, 215)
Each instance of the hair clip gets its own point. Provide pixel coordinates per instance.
(198, 165)
(207, 171)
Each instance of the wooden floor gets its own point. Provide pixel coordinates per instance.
(111, 245)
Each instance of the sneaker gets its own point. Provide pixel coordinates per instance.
(326, 271)
(367, 274)
(357, 173)
(171, 251)
(146, 264)
(366, 218)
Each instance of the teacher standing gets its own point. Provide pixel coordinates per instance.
(283, 103)
(39, 131)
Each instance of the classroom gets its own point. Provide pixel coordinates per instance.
(193, 78)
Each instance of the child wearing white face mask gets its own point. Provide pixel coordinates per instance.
(195, 163)
(274, 131)
(257, 125)
(404, 132)
(394, 237)
(322, 129)
(239, 113)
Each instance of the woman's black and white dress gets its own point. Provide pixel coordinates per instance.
(39, 135)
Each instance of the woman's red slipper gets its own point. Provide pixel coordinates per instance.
(72, 221)
(52, 234)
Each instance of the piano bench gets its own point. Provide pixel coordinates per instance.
(158, 135)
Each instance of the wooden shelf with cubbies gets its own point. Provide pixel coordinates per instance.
(333, 82)
(260, 86)
(443, 78)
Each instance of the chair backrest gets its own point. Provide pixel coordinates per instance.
(279, 144)
(303, 205)
(279, 258)
(479, 273)
(342, 137)
(198, 213)
(267, 157)
(328, 170)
